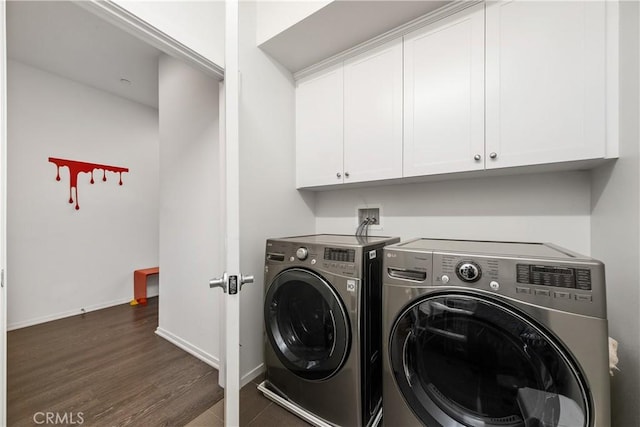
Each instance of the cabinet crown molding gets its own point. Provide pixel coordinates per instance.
(429, 18)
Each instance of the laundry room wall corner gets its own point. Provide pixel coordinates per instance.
(191, 233)
(270, 206)
(615, 224)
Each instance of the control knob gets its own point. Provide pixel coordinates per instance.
(302, 253)
(468, 271)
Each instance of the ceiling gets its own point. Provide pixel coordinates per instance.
(341, 25)
(65, 39)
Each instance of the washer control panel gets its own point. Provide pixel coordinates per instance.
(468, 271)
(565, 286)
(457, 269)
(302, 253)
(341, 261)
(563, 280)
(559, 277)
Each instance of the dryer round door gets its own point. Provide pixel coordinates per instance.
(306, 324)
(466, 359)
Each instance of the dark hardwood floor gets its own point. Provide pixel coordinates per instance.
(108, 365)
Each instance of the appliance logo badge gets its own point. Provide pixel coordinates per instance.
(372, 254)
(351, 285)
(391, 255)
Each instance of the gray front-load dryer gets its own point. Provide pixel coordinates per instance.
(323, 324)
(493, 334)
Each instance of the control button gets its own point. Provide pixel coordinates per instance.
(351, 267)
(292, 258)
(542, 292)
(444, 279)
(522, 290)
(468, 271)
(313, 261)
(302, 253)
(342, 266)
(494, 285)
(584, 298)
(563, 295)
(325, 264)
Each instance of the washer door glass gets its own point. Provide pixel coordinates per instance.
(306, 324)
(469, 360)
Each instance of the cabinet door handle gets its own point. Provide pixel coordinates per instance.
(493, 155)
(346, 174)
(477, 157)
(338, 175)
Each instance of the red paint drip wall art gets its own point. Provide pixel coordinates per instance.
(75, 167)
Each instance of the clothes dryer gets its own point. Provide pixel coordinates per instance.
(322, 315)
(493, 334)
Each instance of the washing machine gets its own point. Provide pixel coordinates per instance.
(490, 334)
(322, 315)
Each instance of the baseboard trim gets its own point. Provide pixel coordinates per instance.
(251, 375)
(64, 314)
(189, 348)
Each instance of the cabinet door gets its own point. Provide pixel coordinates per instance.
(444, 95)
(319, 133)
(545, 82)
(373, 114)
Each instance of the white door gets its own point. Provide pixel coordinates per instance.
(444, 95)
(232, 280)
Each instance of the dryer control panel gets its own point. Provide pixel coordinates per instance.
(340, 261)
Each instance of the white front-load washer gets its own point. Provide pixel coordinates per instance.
(493, 334)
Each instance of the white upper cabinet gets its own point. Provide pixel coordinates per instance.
(545, 82)
(373, 114)
(492, 85)
(319, 129)
(444, 95)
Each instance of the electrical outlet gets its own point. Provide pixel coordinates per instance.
(373, 213)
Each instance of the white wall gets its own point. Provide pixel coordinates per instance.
(196, 24)
(61, 260)
(269, 204)
(615, 227)
(273, 17)
(190, 209)
(551, 207)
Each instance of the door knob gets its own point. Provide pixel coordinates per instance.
(245, 279)
(493, 155)
(220, 282)
(477, 157)
(338, 175)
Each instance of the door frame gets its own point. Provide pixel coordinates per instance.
(229, 162)
(125, 20)
(3, 214)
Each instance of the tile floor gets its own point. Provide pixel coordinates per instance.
(255, 411)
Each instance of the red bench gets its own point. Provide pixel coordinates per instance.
(140, 284)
